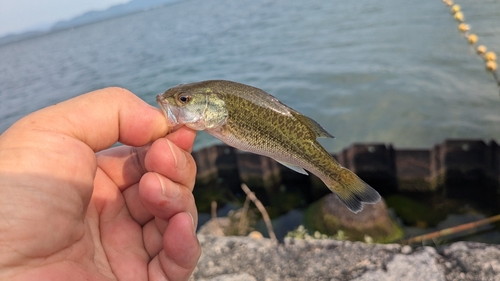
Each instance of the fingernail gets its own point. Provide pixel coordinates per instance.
(179, 156)
(172, 190)
(193, 225)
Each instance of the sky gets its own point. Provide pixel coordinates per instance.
(17, 16)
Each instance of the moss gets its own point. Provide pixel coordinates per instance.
(204, 195)
(413, 212)
(311, 218)
(395, 234)
(380, 233)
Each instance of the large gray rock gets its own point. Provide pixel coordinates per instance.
(244, 258)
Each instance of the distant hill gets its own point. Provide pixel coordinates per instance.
(112, 12)
(133, 6)
(21, 36)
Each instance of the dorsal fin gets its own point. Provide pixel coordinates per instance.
(319, 131)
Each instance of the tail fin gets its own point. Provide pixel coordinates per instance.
(353, 191)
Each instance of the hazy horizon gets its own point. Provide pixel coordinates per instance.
(17, 17)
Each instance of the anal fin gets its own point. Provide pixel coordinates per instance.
(293, 167)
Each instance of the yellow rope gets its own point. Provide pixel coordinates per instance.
(489, 57)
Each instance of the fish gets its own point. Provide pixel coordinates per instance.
(249, 119)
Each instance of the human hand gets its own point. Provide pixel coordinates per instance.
(70, 210)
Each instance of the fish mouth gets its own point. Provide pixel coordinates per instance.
(167, 111)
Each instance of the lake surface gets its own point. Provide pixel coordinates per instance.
(369, 71)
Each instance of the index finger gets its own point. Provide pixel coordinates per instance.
(126, 165)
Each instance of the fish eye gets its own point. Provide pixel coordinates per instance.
(184, 98)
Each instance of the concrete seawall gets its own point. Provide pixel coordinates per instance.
(462, 169)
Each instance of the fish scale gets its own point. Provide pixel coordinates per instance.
(249, 119)
(271, 137)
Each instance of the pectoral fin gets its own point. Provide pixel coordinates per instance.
(293, 167)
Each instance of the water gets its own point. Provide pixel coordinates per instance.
(385, 71)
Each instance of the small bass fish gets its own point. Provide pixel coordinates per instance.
(250, 119)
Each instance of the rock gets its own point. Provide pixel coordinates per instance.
(472, 261)
(329, 215)
(255, 235)
(294, 260)
(420, 266)
(232, 277)
(237, 222)
(406, 250)
(215, 227)
(244, 258)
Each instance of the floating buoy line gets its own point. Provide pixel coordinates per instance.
(489, 57)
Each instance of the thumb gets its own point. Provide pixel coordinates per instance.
(101, 118)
